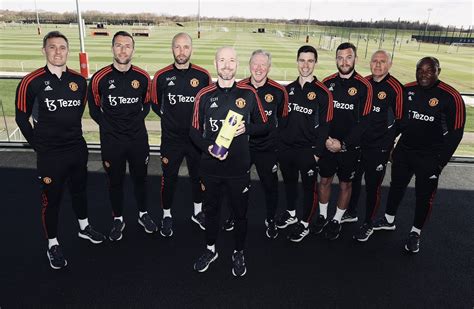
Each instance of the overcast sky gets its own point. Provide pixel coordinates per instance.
(455, 12)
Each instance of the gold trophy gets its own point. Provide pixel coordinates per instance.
(226, 134)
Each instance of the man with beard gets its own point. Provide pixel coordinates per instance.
(302, 142)
(226, 171)
(173, 91)
(54, 97)
(352, 104)
(377, 141)
(118, 99)
(432, 127)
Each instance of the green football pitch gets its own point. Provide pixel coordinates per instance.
(21, 50)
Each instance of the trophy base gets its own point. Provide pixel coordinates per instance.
(218, 150)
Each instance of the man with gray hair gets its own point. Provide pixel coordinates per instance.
(173, 91)
(376, 142)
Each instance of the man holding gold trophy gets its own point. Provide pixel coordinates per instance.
(224, 116)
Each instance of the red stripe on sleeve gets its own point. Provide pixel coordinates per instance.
(25, 82)
(368, 101)
(458, 101)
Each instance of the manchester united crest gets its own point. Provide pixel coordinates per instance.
(194, 82)
(135, 84)
(47, 180)
(164, 160)
(203, 188)
(433, 102)
(268, 98)
(381, 95)
(106, 164)
(240, 102)
(352, 91)
(73, 86)
(311, 95)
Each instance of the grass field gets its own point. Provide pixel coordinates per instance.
(21, 51)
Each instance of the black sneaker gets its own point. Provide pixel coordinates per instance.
(91, 234)
(148, 224)
(228, 225)
(348, 217)
(238, 264)
(364, 232)
(117, 228)
(167, 227)
(332, 230)
(318, 226)
(413, 242)
(285, 220)
(203, 262)
(199, 220)
(382, 224)
(56, 257)
(272, 231)
(298, 232)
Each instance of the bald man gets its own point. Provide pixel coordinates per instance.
(228, 171)
(173, 91)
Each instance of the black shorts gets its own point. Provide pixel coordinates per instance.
(343, 164)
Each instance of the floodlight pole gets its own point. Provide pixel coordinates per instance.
(426, 27)
(37, 19)
(307, 26)
(83, 59)
(199, 19)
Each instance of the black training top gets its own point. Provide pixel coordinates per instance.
(310, 113)
(352, 105)
(173, 92)
(274, 99)
(210, 110)
(387, 109)
(56, 106)
(119, 103)
(434, 120)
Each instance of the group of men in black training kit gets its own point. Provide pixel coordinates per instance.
(345, 124)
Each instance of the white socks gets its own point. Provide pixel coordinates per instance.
(197, 208)
(52, 242)
(141, 213)
(414, 229)
(339, 214)
(389, 218)
(323, 209)
(83, 223)
(120, 218)
(212, 248)
(166, 212)
(292, 212)
(305, 224)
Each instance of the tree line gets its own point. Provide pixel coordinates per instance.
(8, 16)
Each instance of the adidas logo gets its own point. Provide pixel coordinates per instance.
(310, 173)
(48, 88)
(112, 86)
(291, 93)
(214, 105)
(433, 177)
(379, 168)
(245, 190)
(171, 83)
(331, 88)
(274, 168)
